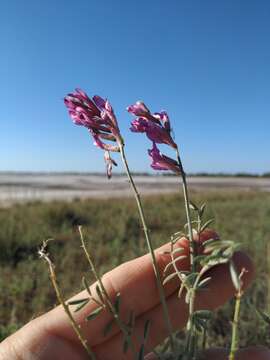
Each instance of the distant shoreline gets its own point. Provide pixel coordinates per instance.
(118, 174)
(25, 187)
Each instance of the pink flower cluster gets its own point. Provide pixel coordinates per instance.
(98, 117)
(158, 129)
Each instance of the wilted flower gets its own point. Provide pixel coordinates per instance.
(162, 162)
(109, 163)
(96, 115)
(156, 126)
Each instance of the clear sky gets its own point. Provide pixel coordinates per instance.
(206, 62)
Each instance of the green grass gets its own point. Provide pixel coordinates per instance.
(114, 236)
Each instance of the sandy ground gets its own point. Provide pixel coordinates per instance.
(16, 187)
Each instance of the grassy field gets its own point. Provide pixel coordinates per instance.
(114, 234)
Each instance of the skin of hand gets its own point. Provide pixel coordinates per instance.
(50, 336)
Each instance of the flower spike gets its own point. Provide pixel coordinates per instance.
(98, 117)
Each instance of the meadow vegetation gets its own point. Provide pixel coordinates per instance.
(114, 235)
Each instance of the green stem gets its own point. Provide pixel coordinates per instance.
(186, 199)
(150, 247)
(105, 294)
(72, 321)
(204, 339)
(234, 343)
(191, 310)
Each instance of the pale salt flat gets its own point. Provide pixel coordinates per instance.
(24, 187)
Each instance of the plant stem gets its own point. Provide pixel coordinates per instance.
(192, 254)
(234, 343)
(186, 198)
(72, 321)
(150, 246)
(105, 294)
(191, 309)
(204, 339)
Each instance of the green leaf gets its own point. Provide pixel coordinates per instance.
(203, 314)
(214, 260)
(181, 290)
(94, 313)
(207, 224)
(78, 308)
(131, 320)
(141, 353)
(78, 301)
(212, 245)
(117, 303)
(85, 284)
(202, 209)
(99, 293)
(169, 277)
(146, 329)
(193, 206)
(174, 261)
(228, 253)
(176, 250)
(190, 279)
(264, 316)
(199, 258)
(234, 276)
(210, 241)
(108, 328)
(204, 282)
(199, 325)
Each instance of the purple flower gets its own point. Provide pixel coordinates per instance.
(162, 162)
(139, 125)
(156, 126)
(163, 117)
(96, 115)
(154, 131)
(141, 110)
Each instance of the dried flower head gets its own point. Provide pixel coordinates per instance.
(109, 163)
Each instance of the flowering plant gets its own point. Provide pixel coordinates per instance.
(195, 246)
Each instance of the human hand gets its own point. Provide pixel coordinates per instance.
(50, 336)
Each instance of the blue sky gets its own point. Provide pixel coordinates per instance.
(206, 62)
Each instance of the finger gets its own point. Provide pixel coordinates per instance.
(52, 332)
(219, 290)
(34, 341)
(131, 280)
(134, 280)
(250, 353)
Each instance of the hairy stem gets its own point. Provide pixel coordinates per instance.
(190, 326)
(234, 343)
(105, 294)
(150, 247)
(186, 198)
(72, 321)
